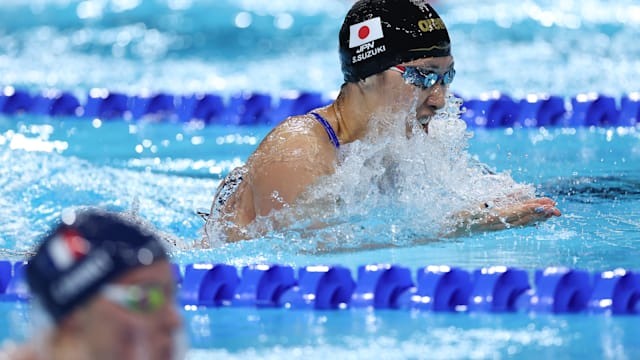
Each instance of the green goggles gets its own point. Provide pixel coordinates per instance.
(144, 299)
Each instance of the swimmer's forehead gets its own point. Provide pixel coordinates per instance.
(157, 273)
(432, 63)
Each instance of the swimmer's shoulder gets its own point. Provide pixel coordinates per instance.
(295, 141)
(295, 131)
(299, 122)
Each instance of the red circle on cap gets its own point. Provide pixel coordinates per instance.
(364, 32)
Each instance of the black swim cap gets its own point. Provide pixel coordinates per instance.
(378, 34)
(85, 251)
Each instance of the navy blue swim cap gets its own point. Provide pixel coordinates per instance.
(378, 34)
(83, 252)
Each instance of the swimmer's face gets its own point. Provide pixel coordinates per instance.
(426, 99)
(134, 330)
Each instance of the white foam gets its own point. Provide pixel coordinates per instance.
(399, 185)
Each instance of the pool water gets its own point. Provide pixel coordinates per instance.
(593, 175)
(164, 171)
(226, 46)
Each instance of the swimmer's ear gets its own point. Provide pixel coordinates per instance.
(370, 81)
(365, 83)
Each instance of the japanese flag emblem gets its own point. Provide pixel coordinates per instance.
(364, 32)
(66, 248)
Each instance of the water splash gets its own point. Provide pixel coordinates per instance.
(397, 186)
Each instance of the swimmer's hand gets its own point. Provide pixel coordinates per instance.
(524, 213)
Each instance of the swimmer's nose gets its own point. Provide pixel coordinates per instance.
(436, 97)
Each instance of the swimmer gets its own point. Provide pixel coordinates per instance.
(106, 289)
(395, 56)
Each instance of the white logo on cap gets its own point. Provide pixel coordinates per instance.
(365, 32)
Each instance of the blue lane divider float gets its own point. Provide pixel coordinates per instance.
(617, 292)
(593, 110)
(492, 110)
(263, 285)
(380, 286)
(497, 289)
(558, 290)
(439, 288)
(13, 281)
(541, 110)
(56, 103)
(208, 285)
(319, 287)
(629, 110)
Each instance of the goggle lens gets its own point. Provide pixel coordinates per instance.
(424, 79)
(137, 298)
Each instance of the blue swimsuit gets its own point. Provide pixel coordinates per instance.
(329, 129)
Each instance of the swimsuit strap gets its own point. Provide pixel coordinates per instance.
(329, 129)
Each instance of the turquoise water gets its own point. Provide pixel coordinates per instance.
(182, 46)
(392, 334)
(164, 171)
(591, 172)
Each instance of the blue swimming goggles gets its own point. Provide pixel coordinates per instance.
(424, 79)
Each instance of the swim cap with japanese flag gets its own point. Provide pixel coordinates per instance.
(378, 34)
(365, 32)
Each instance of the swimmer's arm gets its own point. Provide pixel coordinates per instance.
(485, 219)
(272, 187)
(280, 185)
